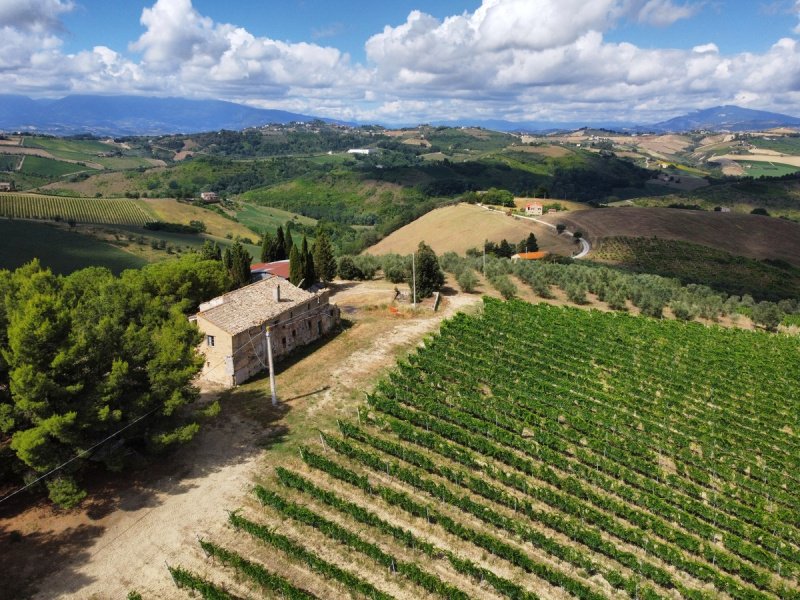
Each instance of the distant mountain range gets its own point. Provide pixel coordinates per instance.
(728, 118)
(140, 115)
(133, 115)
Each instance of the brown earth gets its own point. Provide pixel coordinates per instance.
(753, 236)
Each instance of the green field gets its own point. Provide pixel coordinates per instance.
(87, 151)
(579, 454)
(264, 218)
(62, 251)
(82, 210)
(47, 167)
(784, 144)
(8, 162)
(693, 263)
(766, 169)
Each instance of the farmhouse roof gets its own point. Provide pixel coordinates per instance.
(252, 305)
(531, 255)
(278, 267)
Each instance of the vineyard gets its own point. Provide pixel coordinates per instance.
(540, 452)
(81, 210)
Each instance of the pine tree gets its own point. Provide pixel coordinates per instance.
(295, 267)
(267, 243)
(324, 260)
(280, 246)
(309, 273)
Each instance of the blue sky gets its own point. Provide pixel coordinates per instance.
(406, 61)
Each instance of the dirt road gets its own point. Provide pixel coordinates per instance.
(124, 537)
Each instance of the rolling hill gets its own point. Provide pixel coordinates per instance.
(728, 118)
(752, 236)
(463, 226)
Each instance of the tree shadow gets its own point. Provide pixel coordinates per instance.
(27, 558)
(39, 542)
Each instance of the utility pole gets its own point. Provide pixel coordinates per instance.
(271, 369)
(414, 276)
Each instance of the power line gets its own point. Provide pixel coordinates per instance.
(77, 456)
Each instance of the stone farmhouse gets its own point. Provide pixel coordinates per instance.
(235, 326)
(534, 208)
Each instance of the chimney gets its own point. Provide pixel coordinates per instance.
(277, 293)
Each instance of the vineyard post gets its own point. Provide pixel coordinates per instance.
(414, 277)
(271, 369)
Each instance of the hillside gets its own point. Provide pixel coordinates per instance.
(463, 226)
(581, 454)
(752, 236)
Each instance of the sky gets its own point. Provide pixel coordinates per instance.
(413, 61)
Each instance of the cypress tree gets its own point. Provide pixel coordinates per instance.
(429, 277)
(295, 267)
(280, 246)
(288, 240)
(324, 261)
(267, 244)
(308, 265)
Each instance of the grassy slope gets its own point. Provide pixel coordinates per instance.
(742, 235)
(172, 211)
(457, 228)
(62, 251)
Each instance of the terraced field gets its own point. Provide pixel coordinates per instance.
(83, 210)
(541, 452)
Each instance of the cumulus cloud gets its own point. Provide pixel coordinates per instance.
(665, 12)
(513, 59)
(797, 10)
(33, 15)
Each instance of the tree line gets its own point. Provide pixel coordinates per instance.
(90, 355)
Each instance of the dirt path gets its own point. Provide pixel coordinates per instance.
(121, 539)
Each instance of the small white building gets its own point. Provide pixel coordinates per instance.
(209, 197)
(534, 209)
(363, 151)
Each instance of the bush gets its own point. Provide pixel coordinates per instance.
(467, 280)
(347, 269)
(505, 286)
(65, 492)
(768, 315)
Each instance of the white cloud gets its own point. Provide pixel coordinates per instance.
(33, 15)
(513, 59)
(665, 12)
(797, 10)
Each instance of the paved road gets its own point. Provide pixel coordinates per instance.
(586, 247)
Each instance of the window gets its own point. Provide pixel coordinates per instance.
(319, 327)
(210, 340)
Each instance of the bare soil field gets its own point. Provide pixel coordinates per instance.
(753, 236)
(763, 156)
(134, 524)
(458, 228)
